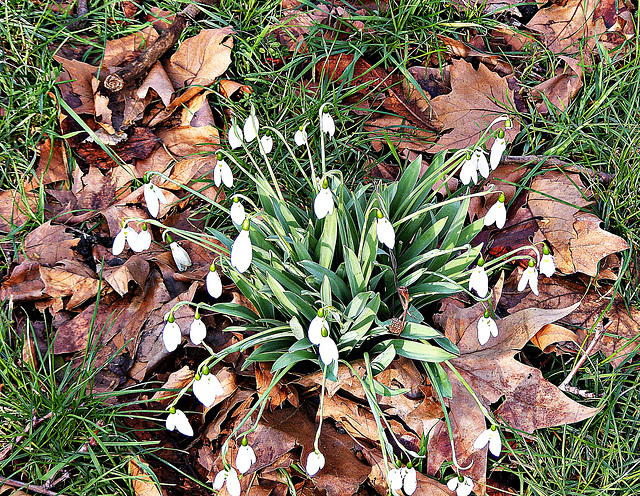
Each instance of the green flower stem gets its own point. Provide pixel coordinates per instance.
(471, 392)
(269, 191)
(187, 188)
(324, 380)
(311, 184)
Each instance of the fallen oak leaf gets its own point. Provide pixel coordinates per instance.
(491, 371)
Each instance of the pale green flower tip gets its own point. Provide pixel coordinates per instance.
(245, 225)
(172, 410)
(501, 199)
(532, 263)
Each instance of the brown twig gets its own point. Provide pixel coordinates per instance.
(556, 162)
(28, 487)
(565, 384)
(139, 67)
(34, 422)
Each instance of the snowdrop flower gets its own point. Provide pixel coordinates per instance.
(497, 213)
(315, 327)
(251, 126)
(469, 170)
(486, 326)
(197, 330)
(222, 173)
(529, 276)
(326, 122)
(461, 485)
(547, 263)
(242, 251)
(315, 463)
(479, 281)
(300, 137)
(491, 436)
(323, 204)
(385, 232)
(213, 282)
(153, 196)
(144, 238)
(235, 136)
(497, 149)
(410, 480)
(481, 161)
(267, 144)
(178, 420)
(230, 477)
(394, 478)
(237, 212)
(245, 457)
(328, 350)
(179, 254)
(207, 387)
(171, 334)
(130, 236)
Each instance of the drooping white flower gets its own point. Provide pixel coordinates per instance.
(385, 232)
(178, 420)
(222, 174)
(491, 436)
(479, 280)
(197, 330)
(461, 485)
(237, 212)
(242, 251)
(315, 328)
(251, 126)
(207, 388)
(315, 463)
(144, 238)
(481, 161)
(213, 282)
(323, 203)
(130, 236)
(153, 196)
(497, 213)
(245, 457)
(171, 334)
(300, 137)
(326, 123)
(529, 276)
(547, 263)
(486, 326)
(469, 169)
(497, 149)
(410, 481)
(179, 254)
(394, 478)
(230, 477)
(267, 144)
(235, 136)
(328, 350)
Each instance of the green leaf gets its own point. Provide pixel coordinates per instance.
(302, 344)
(325, 291)
(340, 289)
(278, 292)
(296, 328)
(383, 390)
(354, 272)
(291, 358)
(383, 360)
(420, 351)
(235, 310)
(419, 331)
(327, 244)
(406, 184)
(439, 379)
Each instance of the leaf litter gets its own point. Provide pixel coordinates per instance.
(165, 124)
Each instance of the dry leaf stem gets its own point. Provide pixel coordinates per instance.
(565, 384)
(28, 487)
(603, 177)
(140, 66)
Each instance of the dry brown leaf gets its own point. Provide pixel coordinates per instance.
(16, 208)
(160, 19)
(621, 327)
(199, 61)
(157, 80)
(137, 146)
(176, 381)
(577, 240)
(476, 99)
(75, 84)
(561, 88)
(530, 402)
(398, 131)
(278, 393)
(552, 334)
(121, 51)
(47, 244)
(576, 26)
(141, 480)
(52, 165)
(463, 50)
(229, 88)
(135, 269)
(188, 140)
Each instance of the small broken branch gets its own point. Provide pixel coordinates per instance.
(141, 66)
(28, 487)
(603, 177)
(565, 384)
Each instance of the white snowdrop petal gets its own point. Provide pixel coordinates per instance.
(238, 213)
(245, 458)
(323, 203)
(144, 240)
(180, 257)
(327, 125)
(300, 137)
(524, 279)
(410, 482)
(328, 350)
(465, 488)
(315, 329)
(501, 215)
(533, 280)
(235, 136)
(479, 281)
(242, 251)
(207, 389)
(452, 484)
(151, 199)
(227, 175)
(315, 463)
(182, 423)
(495, 443)
(497, 149)
(482, 440)
(217, 174)
(483, 165)
(233, 483)
(493, 327)
(483, 331)
(547, 265)
(132, 239)
(170, 423)
(218, 482)
(171, 336)
(267, 144)
(118, 243)
(214, 284)
(395, 479)
(251, 127)
(197, 331)
(385, 232)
